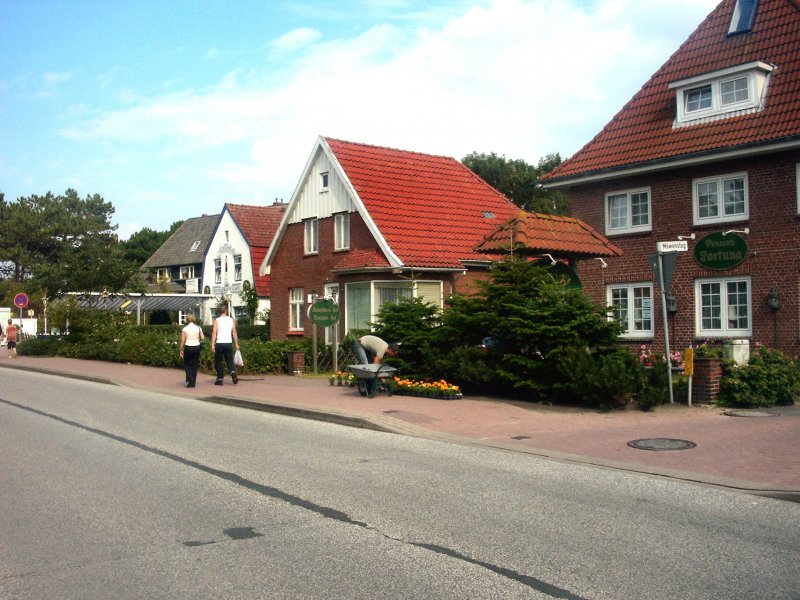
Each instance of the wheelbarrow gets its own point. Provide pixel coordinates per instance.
(372, 378)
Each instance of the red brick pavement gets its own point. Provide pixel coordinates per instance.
(747, 452)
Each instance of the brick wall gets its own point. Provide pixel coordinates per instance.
(773, 243)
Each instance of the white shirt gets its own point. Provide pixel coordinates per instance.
(192, 333)
(224, 330)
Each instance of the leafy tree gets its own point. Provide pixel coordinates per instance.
(143, 244)
(250, 297)
(62, 243)
(519, 181)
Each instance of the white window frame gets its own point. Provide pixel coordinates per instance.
(627, 227)
(237, 267)
(195, 246)
(324, 181)
(724, 298)
(162, 274)
(755, 73)
(296, 309)
(187, 272)
(331, 292)
(218, 270)
(797, 184)
(720, 181)
(341, 231)
(311, 236)
(636, 317)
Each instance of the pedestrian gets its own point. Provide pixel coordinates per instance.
(223, 339)
(191, 345)
(11, 339)
(370, 349)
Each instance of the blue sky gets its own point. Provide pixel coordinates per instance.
(170, 109)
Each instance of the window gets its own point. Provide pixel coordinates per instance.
(311, 236)
(323, 181)
(736, 90)
(720, 199)
(628, 211)
(296, 309)
(743, 16)
(162, 274)
(341, 226)
(698, 98)
(217, 270)
(797, 184)
(632, 307)
(187, 272)
(723, 307)
(332, 293)
(237, 267)
(364, 299)
(195, 246)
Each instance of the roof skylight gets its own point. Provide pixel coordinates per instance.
(743, 16)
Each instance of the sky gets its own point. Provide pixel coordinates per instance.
(170, 109)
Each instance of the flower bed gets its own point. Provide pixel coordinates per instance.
(425, 389)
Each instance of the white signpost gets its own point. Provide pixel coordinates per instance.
(667, 250)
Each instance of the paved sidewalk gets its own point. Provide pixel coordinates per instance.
(757, 450)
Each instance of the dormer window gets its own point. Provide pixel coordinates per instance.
(698, 99)
(725, 93)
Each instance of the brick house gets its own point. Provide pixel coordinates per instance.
(367, 225)
(707, 153)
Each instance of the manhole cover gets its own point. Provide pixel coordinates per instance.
(747, 413)
(661, 444)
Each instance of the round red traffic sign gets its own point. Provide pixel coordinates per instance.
(21, 300)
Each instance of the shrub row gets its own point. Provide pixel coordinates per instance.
(114, 338)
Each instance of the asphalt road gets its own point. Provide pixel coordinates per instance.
(112, 492)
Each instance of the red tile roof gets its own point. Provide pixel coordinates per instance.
(362, 259)
(258, 224)
(534, 233)
(642, 132)
(431, 210)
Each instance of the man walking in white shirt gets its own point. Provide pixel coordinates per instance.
(223, 339)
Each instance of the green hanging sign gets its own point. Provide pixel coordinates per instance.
(324, 312)
(720, 252)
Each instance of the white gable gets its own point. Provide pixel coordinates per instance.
(313, 199)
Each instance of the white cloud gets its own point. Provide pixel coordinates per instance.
(521, 78)
(55, 79)
(296, 38)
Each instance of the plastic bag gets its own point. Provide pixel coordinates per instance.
(237, 359)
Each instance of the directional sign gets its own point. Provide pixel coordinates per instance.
(21, 300)
(676, 246)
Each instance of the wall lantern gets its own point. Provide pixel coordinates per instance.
(773, 300)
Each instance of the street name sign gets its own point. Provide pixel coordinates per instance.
(674, 246)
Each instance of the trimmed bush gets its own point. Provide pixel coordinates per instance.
(770, 378)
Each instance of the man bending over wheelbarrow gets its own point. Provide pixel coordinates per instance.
(370, 349)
